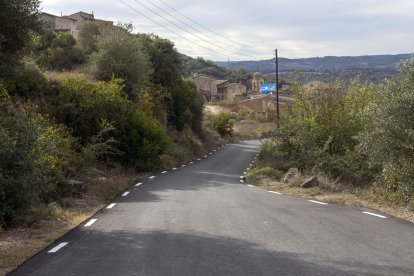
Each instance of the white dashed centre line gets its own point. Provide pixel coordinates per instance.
(92, 221)
(205, 156)
(375, 215)
(125, 194)
(58, 247)
(110, 206)
(164, 172)
(183, 166)
(191, 162)
(272, 192)
(138, 184)
(174, 169)
(318, 202)
(151, 177)
(199, 159)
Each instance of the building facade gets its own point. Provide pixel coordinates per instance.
(73, 23)
(257, 82)
(214, 89)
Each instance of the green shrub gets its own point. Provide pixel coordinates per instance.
(187, 106)
(320, 130)
(123, 57)
(35, 156)
(389, 138)
(83, 106)
(223, 123)
(26, 80)
(141, 139)
(57, 52)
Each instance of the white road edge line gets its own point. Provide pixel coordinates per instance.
(125, 194)
(58, 247)
(242, 181)
(375, 215)
(164, 172)
(242, 176)
(138, 184)
(251, 186)
(92, 221)
(318, 202)
(110, 206)
(205, 156)
(272, 192)
(174, 169)
(151, 177)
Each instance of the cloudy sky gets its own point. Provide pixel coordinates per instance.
(251, 29)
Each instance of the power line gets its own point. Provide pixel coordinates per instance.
(198, 31)
(168, 29)
(209, 30)
(195, 35)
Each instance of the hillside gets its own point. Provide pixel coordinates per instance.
(373, 68)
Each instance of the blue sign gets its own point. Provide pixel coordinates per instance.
(266, 88)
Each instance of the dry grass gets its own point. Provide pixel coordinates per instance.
(332, 192)
(47, 223)
(252, 129)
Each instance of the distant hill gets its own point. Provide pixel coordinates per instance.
(373, 68)
(318, 63)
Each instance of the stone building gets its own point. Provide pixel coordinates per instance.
(73, 23)
(214, 89)
(203, 84)
(234, 89)
(219, 90)
(257, 81)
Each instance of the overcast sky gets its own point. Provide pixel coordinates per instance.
(251, 29)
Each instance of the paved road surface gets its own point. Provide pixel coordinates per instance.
(201, 220)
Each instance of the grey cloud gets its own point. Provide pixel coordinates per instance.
(298, 28)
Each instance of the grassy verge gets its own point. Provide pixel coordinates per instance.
(327, 191)
(46, 223)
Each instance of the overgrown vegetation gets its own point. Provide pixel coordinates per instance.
(129, 92)
(359, 134)
(224, 123)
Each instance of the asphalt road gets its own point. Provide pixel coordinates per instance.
(202, 220)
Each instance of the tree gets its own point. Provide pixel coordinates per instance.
(122, 56)
(187, 106)
(389, 139)
(18, 20)
(88, 37)
(165, 60)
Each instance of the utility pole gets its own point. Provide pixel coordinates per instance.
(277, 90)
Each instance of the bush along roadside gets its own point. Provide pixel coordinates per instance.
(357, 138)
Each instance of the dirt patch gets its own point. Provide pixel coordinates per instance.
(214, 109)
(251, 129)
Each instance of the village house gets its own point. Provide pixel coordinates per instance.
(257, 82)
(214, 89)
(73, 23)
